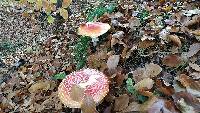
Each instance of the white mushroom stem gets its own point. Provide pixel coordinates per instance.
(95, 40)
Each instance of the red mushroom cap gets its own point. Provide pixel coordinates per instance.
(93, 82)
(93, 29)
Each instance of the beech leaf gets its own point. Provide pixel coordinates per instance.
(88, 105)
(64, 13)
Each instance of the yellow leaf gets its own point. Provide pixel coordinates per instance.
(50, 19)
(64, 13)
(23, 1)
(38, 4)
(66, 3)
(53, 1)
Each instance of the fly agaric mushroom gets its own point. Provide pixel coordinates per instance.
(93, 30)
(94, 83)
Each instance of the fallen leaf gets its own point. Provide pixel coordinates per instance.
(195, 67)
(164, 106)
(119, 78)
(148, 104)
(88, 105)
(152, 70)
(77, 93)
(39, 86)
(186, 102)
(175, 40)
(167, 90)
(146, 44)
(50, 19)
(145, 83)
(195, 75)
(194, 49)
(113, 61)
(132, 107)
(172, 60)
(66, 3)
(149, 71)
(64, 13)
(191, 85)
(59, 76)
(121, 102)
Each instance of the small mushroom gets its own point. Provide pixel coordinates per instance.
(93, 30)
(92, 82)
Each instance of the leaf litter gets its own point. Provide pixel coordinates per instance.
(150, 55)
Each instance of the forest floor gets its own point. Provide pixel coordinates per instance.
(150, 55)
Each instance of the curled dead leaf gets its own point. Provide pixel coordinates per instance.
(175, 40)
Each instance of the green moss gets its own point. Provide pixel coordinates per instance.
(80, 51)
(99, 11)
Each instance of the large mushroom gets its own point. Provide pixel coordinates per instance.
(93, 83)
(93, 30)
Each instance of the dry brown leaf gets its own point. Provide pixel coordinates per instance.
(165, 106)
(186, 102)
(145, 83)
(149, 71)
(138, 74)
(194, 49)
(77, 93)
(191, 85)
(175, 40)
(88, 105)
(195, 75)
(146, 43)
(152, 70)
(196, 32)
(113, 61)
(195, 67)
(113, 41)
(132, 107)
(172, 60)
(121, 102)
(66, 3)
(39, 86)
(148, 104)
(119, 78)
(167, 90)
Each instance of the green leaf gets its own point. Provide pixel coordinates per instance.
(129, 86)
(142, 98)
(50, 19)
(53, 1)
(61, 75)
